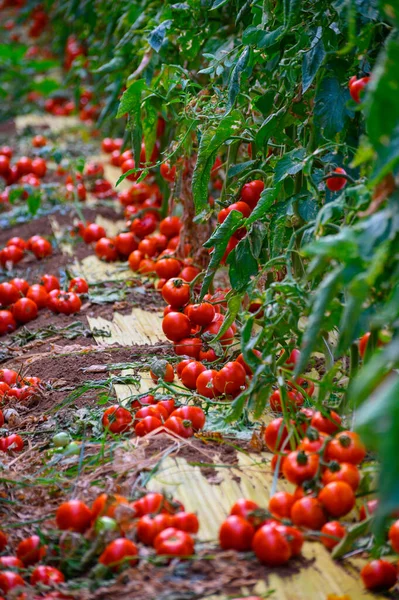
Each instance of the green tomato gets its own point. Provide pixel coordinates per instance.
(72, 448)
(61, 439)
(104, 524)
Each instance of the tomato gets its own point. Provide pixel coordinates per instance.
(337, 498)
(160, 240)
(335, 184)
(329, 422)
(7, 562)
(38, 294)
(119, 553)
(24, 165)
(7, 151)
(107, 145)
(294, 399)
(346, 447)
(227, 338)
(176, 326)
(78, 285)
(152, 503)
(157, 410)
(241, 207)
(25, 310)
(9, 376)
(244, 508)
(276, 434)
(73, 515)
(188, 347)
(163, 370)
(46, 575)
(379, 575)
(201, 314)
(4, 165)
(167, 172)
(356, 87)
(147, 247)
(251, 192)
(394, 536)
(300, 466)
(125, 243)
(3, 541)
(117, 419)
(50, 282)
(190, 374)
(105, 505)
(30, 550)
(7, 322)
(174, 542)
(10, 580)
(236, 534)
(308, 512)
(106, 250)
(17, 241)
(230, 379)
(167, 268)
(270, 546)
(21, 284)
(128, 165)
(342, 472)
(93, 233)
(185, 521)
(146, 400)
(42, 248)
(148, 527)
(240, 359)
(170, 226)
(178, 426)
(39, 167)
(205, 383)
(176, 292)
(9, 294)
(38, 141)
(67, 303)
(313, 442)
(280, 505)
(11, 254)
(169, 405)
(144, 226)
(293, 536)
(147, 425)
(195, 414)
(332, 528)
(181, 366)
(146, 266)
(135, 259)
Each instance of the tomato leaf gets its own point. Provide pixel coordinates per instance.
(291, 163)
(243, 264)
(234, 84)
(312, 60)
(330, 112)
(157, 35)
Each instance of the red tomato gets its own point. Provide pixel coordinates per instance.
(24, 165)
(146, 400)
(73, 515)
(135, 259)
(293, 536)
(335, 529)
(236, 534)
(294, 400)
(176, 326)
(300, 466)
(337, 498)
(394, 536)
(9, 294)
(194, 414)
(31, 550)
(335, 184)
(67, 303)
(185, 521)
(241, 207)
(93, 233)
(7, 562)
(346, 447)
(148, 527)
(17, 241)
(12, 255)
(342, 472)
(201, 314)
(105, 505)
(46, 575)
(7, 322)
(25, 310)
(174, 542)
(240, 359)
(230, 379)
(167, 172)
(117, 419)
(50, 282)
(189, 273)
(205, 383)
(329, 422)
(78, 285)
(276, 434)
(170, 226)
(4, 165)
(178, 426)
(9, 376)
(270, 546)
(125, 243)
(188, 347)
(356, 87)
(176, 292)
(379, 575)
(280, 505)
(146, 266)
(41, 248)
(166, 268)
(21, 284)
(164, 370)
(106, 250)
(153, 503)
(144, 226)
(7, 151)
(38, 141)
(118, 553)
(38, 294)
(251, 192)
(39, 167)
(3, 541)
(10, 580)
(244, 508)
(190, 374)
(147, 425)
(308, 512)
(107, 145)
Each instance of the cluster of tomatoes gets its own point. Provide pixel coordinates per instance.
(147, 414)
(21, 302)
(25, 171)
(16, 247)
(60, 106)
(152, 520)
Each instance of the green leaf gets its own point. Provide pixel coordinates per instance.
(264, 204)
(233, 306)
(210, 142)
(243, 264)
(354, 532)
(291, 163)
(33, 201)
(219, 4)
(131, 99)
(234, 84)
(115, 64)
(270, 38)
(312, 60)
(330, 107)
(271, 124)
(157, 35)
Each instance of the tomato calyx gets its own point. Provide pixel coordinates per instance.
(334, 466)
(345, 441)
(312, 434)
(302, 458)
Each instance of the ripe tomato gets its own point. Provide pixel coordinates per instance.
(185, 521)
(41, 248)
(21, 284)
(201, 314)
(153, 503)
(313, 442)
(135, 259)
(7, 151)
(9, 376)
(146, 266)
(17, 241)
(205, 383)
(50, 282)
(38, 141)
(3, 541)
(194, 414)
(337, 498)
(394, 536)
(241, 207)
(93, 233)
(167, 172)
(172, 541)
(10, 580)
(191, 373)
(170, 226)
(346, 447)
(4, 165)
(147, 425)
(125, 243)
(236, 534)
(106, 250)
(270, 546)
(148, 247)
(244, 508)
(308, 512)
(146, 400)
(182, 365)
(148, 527)
(66, 303)
(240, 359)
(335, 184)
(176, 292)
(24, 165)
(299, 466)
(329, 422)
(107, 145)
(117, 419)
(9, 294)
(276, 434)
(78, 285)
(7, 562)
(46, 575)
(230, 379)
(30, 550)
(105, 505)
(356, 87)
(163, 370)
(251, 192)
(280, 505)
(176, 326)
(119, 553)
(294, 400)
(333, 528)
(73, 515)
(379, 575)
(167, 268)
(144, 226)
(342, 472)
(188, 347)
(7, 322)
(178, 426)
(38, 294)
(12, 255)
(25, 310)
(39, 167)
